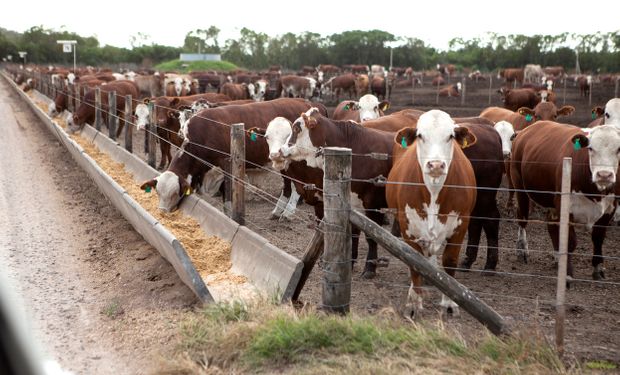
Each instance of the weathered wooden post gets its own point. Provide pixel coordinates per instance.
(337, 249)
(437, 94)
(68, 90)
(464, 91)
(112, 119)
(128, 124)
(151, 130)
(563, 254)
(77, 95)
(490, 86)
(237, 169)
(98, 108)
(590, 93)
(412, 90)
(313, 250)
(388, 89)
(564, 92)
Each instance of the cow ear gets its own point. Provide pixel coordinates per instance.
(384, 105)
(464, 137)
(174, 102)
(514, 135)
(253, 131)
(524, 111)
(567, 110)
(349, 106)
(148, 185)
(597, 112)
(405, 137)
(310, 121)
(146, 100)
(580, 141)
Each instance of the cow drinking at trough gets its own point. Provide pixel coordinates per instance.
(536, 171)
(432, 187)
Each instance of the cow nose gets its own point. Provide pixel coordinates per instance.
(506, 154)
(276, 155)
(604, 176)
(436, 167)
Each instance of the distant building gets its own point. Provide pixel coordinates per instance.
(200, 57)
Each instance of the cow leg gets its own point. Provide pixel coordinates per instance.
(355, 241)
(414, 305)
(598, 236)
(491, 230)
(449, 261)
(523, 213)
(292, 204)
(282, 201)
(121, 125)
(554, 232)
(370, 269)
(164, 146)
(473, 240)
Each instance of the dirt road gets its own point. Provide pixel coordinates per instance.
(98, 297)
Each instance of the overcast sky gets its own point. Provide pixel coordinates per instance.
(113, 22)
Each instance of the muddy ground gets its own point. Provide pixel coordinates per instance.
(523, 293)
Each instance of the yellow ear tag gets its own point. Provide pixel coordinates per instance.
(464, 143)
(188, 191)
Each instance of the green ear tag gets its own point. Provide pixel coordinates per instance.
(593, 115)
(346, 107)
(403, 142)
(528, 117)
(147, 189)
(253, 137)
(577, 144)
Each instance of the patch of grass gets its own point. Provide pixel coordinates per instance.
(113, 309)
(600, 365)
(190, 66)
(262, 337)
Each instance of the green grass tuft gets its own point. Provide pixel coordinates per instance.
(601, 365)
(191, 66)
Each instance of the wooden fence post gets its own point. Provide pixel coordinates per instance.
(68, 90)
(313, 250)
(112, 119)
(337, 250)
(437, 94)
(490, 86)
(563, 254)
(237, 168)
(464, 91)
(77, 96)
(412, 90)
(151, 130)
(128, 124)
(590, 93)
(564, 92)
(98, 108)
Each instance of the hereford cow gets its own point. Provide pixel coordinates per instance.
(297, 87)
(585, 83)
(378, 87)
(207, 146)
(451, 90)
(86, 111)
(367, 108)
(514, 99)
(536, 171)
(554, 71)
(335, 86)
(433, 218)
(150, 85)
(610, 115)
(446, 69)
(312, 131)
(525, 116)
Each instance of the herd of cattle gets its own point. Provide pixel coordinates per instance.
(440, 174)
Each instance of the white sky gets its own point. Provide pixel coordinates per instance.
(113, 22)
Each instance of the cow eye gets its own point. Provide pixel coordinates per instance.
(606, 115)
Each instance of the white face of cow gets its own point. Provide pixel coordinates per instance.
(51, 110)
(303, 149)
(435, 134)
(251, 91)
(142, 116)
(612, 112)
(604, 150)
(369, 108)
(506, 132)
(261, 89)
(277, 135)
(178, 85)
(459, 86)
(71, 78)
(320, 76)
(168, 189)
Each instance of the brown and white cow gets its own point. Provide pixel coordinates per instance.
(610, 115)
(297, 87)
(313, 131)
(511, 75)
(362, 85)
(207, 145)
(432, 187)
(451, 90)
(446, 69)
(585, 83)
(367, 108)
(536, 171)
(525, 116)
(337, 85)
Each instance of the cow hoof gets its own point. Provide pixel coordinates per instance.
(465, 266)
(284, 219)
(383, 262)
(274, 217)
(368, 274)
(598, 275)
(522, 256)
(450, 312)
(160, 167)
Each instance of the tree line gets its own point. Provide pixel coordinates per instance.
(598, 52)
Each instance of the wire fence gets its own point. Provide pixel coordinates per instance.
(504, 251)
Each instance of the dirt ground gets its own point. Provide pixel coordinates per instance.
(100, 299)
(523, 293)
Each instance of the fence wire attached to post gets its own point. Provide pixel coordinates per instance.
(563, 254)
(237, 169)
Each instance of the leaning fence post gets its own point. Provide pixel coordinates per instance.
(112, 119)
(311, 255)
(563, 255)
(151, 129)
(128, 124)
(237, 168)
(464, 91)
(337, 235)
(98, 108)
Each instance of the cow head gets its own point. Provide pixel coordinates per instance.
(260, 90)
(603, 145)
(178, 85)
(370, 108)
(170, 187)
(142, 116)
(58, 105)
(506, 133)
(546, 111)
(277, 134)
(435, 135)
(301, 143)
(612, 112)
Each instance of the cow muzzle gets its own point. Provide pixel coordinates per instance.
(506, 155)
(436, 168)
(604, 179)
(276, 156)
